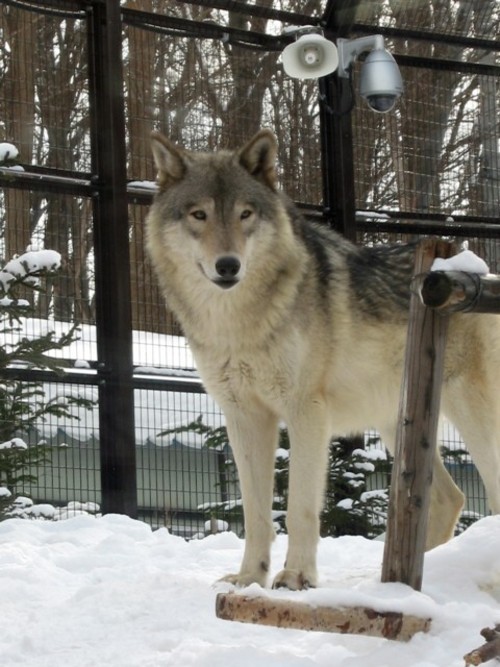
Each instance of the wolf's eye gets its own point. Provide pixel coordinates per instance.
(198, 214)
(246, 214)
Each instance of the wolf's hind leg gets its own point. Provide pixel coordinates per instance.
(446, 504)
(476, 414)
(446, 499)
(253, 435)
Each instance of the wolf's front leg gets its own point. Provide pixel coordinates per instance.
(309, 439)
(253, 436)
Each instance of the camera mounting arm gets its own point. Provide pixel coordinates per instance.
(350, 49)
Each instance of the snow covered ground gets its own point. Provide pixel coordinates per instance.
(110, 592)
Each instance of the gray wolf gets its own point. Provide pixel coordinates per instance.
(289, 322)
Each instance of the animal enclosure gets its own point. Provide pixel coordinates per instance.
(84, 82)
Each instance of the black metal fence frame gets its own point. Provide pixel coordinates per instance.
(107, 187)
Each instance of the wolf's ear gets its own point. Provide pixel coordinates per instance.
(169, 160)
(258, 157)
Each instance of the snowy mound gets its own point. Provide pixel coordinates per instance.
(111, 592)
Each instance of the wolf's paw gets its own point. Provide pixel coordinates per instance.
(294, 580)
(243, 579)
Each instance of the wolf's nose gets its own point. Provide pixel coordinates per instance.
(228, 267)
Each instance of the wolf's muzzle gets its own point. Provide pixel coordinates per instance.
(227, 268)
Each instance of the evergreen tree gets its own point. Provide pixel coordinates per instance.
(23, 405)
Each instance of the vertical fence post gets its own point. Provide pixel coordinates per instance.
(337, 153)
(417, 432)
(112, 260)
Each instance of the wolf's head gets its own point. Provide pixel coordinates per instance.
(211, 207)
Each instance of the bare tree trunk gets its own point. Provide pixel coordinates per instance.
(486, 189)
(60, 72)
(250, 78)
(148, 309)
(20, 32)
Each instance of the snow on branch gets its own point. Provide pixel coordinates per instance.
(31, 264)
(8, 151)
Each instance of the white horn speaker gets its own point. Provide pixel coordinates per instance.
(310, 57)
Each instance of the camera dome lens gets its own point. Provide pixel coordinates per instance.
(381, 103)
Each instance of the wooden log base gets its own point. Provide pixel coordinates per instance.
(301, 616)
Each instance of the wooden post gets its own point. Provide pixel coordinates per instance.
(417, 432)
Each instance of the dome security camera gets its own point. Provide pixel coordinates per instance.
(380, 81)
